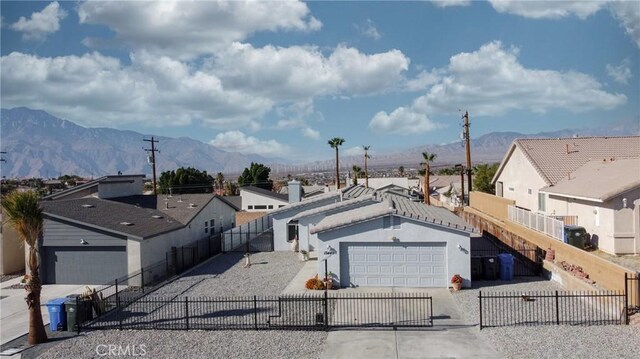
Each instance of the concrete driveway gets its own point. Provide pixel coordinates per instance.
(450, 337)
(14, 312)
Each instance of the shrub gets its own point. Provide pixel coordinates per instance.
(314, 283)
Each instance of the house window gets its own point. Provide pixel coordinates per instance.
(542, 202)
(280, 206)
(206, 227)
(529, 191)
(261, 206)
(511, 189)
(250, 206)
(270, 206)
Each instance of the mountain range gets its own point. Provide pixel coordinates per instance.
(41, 145)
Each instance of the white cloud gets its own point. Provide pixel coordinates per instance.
(491, 81)
(447, 3)
(369, 29)
(354, 151)
(621, 73)
(423, 81)
(548, 9)
(628, 13)
(236, 141)
(41, 23)
(310, 133)
(187, 29)
(402, 121)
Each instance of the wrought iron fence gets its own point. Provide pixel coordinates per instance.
(539, 222)
(499, 309)
(527, 259)
(632, 289)
(308, 311)
(234, 239)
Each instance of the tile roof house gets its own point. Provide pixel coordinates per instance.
(372, 238)
(97, 238)
(596, 179)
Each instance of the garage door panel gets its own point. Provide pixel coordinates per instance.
(394, 264)
(84, 265)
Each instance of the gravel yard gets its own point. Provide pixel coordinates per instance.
(628, 261)
(548, 341)
(224, 275)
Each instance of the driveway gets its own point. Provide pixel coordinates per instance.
(450, 337)
(15, 314)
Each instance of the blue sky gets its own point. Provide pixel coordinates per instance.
(281, 78)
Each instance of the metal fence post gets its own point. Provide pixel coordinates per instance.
(626, 300)
(255, 311)
(119, 316)
(480, 298)
(78, 315)
(557, 310)
(142, 278)
(186, 311)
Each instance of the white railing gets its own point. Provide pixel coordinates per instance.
(237, 236)
(539, 222)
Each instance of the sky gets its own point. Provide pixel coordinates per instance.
(282, 78)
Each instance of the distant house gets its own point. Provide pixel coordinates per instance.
(116, 230)
(255, 199)
(594, 178)
(369, 238)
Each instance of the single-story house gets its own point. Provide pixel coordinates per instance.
(378, 239)
(256, 199)
(566, 177)
(103, 236)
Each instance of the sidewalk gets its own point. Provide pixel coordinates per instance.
(14, 313)
(297, 283)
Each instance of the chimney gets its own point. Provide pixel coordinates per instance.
(295, 191)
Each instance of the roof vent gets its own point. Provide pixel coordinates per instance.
(156, 216)
(191, 205)
(126, 223)
(87, 205)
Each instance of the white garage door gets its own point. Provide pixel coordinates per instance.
(393, 264)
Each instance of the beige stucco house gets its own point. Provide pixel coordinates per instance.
(596, 179)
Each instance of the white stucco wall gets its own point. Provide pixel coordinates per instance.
(154, 249)
(254, 199)
(411, 231)
(520, 175)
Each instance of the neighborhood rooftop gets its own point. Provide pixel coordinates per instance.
(554, 158)
(265, 192)
(599, 180)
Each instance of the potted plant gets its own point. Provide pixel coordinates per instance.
(305, 255)
(456, 282)
(328, 280)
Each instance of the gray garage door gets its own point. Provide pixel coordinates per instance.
(84, 265)
(393, 264)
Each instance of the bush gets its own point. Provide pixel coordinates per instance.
(314, 283)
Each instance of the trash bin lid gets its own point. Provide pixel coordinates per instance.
(505, 258)
(56, 301)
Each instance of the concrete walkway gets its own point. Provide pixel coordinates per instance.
(14, 312)
(297, 283)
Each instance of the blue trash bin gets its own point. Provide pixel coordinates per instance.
(506, 266)
(57, 314)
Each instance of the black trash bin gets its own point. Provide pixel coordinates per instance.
(490, 268)
(85, 311)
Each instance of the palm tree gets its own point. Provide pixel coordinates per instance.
(357, 172)
(219, 182)
(428, 158)
(401, 170)
(366, 172)
(335, 143)
(25, 215)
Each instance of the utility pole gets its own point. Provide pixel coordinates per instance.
(461, 167)
(468, 149)
(153, 151)
(366, 172)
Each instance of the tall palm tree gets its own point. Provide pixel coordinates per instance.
(366, 172)
(357, 172)
(336, 142)
(25, 215)
(219, 182)
(401, 171)
(428, 158)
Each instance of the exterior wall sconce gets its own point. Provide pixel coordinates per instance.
(82, 241)
(624, 203)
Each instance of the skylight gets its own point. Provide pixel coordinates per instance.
(86, 205)
(126, 224)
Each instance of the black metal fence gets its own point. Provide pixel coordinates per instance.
(499, 309)
(248, 241)
(632, 289)
(298, 312)
(527, 259)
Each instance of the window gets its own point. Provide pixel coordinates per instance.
(542, 205)
(206, 227)
(261, 206)
(280, 206)
(292, 231)
(250, 206)
(270, 206)
(511, 189)
(529, 191)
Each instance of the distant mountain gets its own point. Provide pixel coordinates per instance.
(41, 145)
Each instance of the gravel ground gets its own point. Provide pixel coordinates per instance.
(628, 261)
(269, 274)
(194, 344)
(224, 275)
(549, 341)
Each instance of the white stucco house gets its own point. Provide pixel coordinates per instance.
(378, 239)
(596, 179)
(116, 230)
(255, 199)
